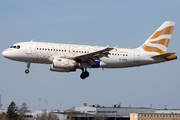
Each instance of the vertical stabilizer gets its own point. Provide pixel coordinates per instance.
(158, 42)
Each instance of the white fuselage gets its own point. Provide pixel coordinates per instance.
(40, 52)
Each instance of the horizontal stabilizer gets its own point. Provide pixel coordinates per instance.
(163, 55)
(166, 56)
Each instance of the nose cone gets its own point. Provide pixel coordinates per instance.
(6, 53)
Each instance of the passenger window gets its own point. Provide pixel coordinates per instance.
(65, 50)
(45, 49)
(51, 49)
(79, 51)
(56, 49)
(112, 53)
(42, 48)
(69, 51)
(48, 49)
(62, 50)
(73, 50)
(59, 50)
(37, 48)
(126, 55)
(84, 51)
(115, 54)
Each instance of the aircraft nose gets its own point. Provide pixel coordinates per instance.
(6, 53)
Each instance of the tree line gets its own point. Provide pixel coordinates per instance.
(15, 113)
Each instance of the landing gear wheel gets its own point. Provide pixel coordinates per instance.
(84, 75)
(26, 71)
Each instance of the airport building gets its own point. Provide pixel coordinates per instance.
(116, 112)
(154, 116)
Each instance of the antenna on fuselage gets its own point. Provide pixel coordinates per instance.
(32, 40)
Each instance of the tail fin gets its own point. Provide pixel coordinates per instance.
(158, 42)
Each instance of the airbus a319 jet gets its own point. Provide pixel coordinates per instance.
(69, 57)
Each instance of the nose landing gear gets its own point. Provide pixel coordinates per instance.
(28, 66)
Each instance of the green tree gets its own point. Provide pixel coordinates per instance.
(11, 113)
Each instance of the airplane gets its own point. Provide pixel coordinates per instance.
(69, 57)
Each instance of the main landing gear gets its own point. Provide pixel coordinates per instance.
(28, 66)
(84, 74)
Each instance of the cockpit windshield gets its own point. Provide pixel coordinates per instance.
(15, 47)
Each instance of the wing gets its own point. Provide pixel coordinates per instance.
(92, 56)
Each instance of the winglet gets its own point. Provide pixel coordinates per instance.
(116, 46)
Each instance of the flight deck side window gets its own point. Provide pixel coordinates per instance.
(18, 47)
(14, 46)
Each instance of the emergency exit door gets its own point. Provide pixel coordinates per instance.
(136, 56)
(28, 48)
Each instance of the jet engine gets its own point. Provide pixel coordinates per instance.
(63, 65)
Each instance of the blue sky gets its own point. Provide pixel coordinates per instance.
(101, 23)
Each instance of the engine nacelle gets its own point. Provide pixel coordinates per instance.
(60, 70)
(63, 65)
